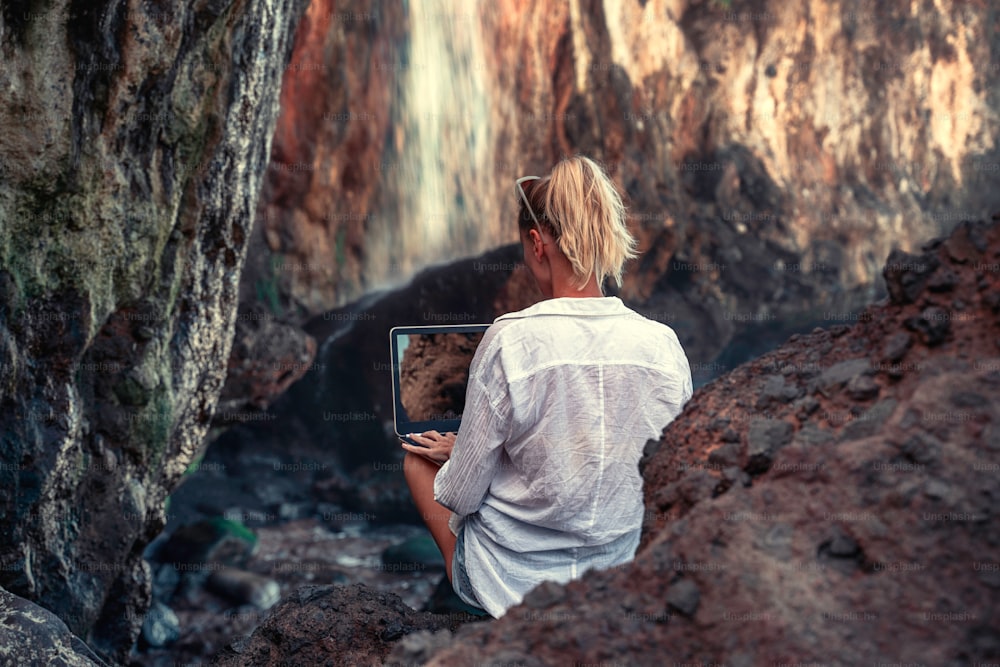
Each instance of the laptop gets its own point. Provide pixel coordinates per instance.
(430, 372)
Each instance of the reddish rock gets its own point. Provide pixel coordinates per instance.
(267, 357)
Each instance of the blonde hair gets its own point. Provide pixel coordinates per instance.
(583, 210)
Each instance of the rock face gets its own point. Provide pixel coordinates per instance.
(836, 497)
(134, 144)
(772, 152)
(333, 625)
(31, 635)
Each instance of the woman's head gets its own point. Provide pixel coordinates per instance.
(579, 208)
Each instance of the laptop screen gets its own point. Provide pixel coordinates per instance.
(430, 373)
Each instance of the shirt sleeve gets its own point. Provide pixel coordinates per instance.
(463, 481)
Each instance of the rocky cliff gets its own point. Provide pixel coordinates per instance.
(772, 152)
(135, 140)
(832, 502)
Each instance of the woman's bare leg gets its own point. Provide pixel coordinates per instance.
(420, 473)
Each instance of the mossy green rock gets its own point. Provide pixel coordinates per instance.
(132, 152)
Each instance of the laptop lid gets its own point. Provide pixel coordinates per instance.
(430, 372)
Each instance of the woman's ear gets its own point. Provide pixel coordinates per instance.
(537, 243)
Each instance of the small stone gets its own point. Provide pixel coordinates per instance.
(943, 280)
(805, 406)
(896, 346)
(968, 399)
(811, 435)
(725, 456)
(161, 626)
(842, 546)
(922, 448)
(719, 423)
(684, 596)
(245, 587)
(933, 324)
(765, 438)
(771, 71)
(862, 388)
(935, 489)
(838, 330)
(833, 378)
(730, 436)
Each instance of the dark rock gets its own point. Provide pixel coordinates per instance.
(869, 422)
(862, 388)
(922, 448)
(726, 456)
(835, 377)
(243, 587)
(126, 202)
(765, 438)
(267, 357)
(896, 346)
(218, 541)
(31, 635)
(775, 389)
(943, 281)
(335, 625)
(684, 596)
(933, 325)
(969, 399)
(812, 435)
(805, 406)
(906, 275)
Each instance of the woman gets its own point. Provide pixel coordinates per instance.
(542, 481)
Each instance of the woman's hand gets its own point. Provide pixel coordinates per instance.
(437, 447)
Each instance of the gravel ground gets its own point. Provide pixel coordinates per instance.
(294, 554)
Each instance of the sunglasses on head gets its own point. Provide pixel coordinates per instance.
(527, 204)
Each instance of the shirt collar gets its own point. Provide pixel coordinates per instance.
(596, 306)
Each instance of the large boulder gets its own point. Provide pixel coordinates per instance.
(836, 497)
(32, 635)
(134, 144)
(333, 625)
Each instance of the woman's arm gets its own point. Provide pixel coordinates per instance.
(462, 483)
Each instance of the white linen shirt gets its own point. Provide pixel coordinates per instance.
(544, 476)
